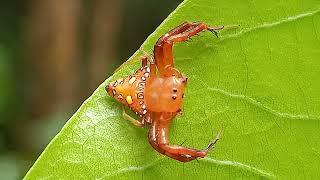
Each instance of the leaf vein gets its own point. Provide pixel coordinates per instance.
(266, 108)
(241, 166)
(271, 24)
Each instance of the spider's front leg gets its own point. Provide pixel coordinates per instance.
(163, 53)
(158, 138)
(144, 62)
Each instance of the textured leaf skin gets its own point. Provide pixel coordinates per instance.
(261, 82)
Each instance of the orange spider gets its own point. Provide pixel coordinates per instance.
(155, 93)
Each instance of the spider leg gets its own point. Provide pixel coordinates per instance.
(153, 70)
(146, 56)
(131, 119)
(158, 138)
(214, 141)
(163, 52)
(179, 29)
(144, 61)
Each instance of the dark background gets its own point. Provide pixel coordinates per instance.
(53, 54)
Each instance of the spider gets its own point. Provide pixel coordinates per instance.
(156, 90)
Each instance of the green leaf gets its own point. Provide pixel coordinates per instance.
(261, 82)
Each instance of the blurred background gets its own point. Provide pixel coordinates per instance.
(53, 55)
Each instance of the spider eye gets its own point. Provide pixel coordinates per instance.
(174, 97)
(175, 90)
(185, 80)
